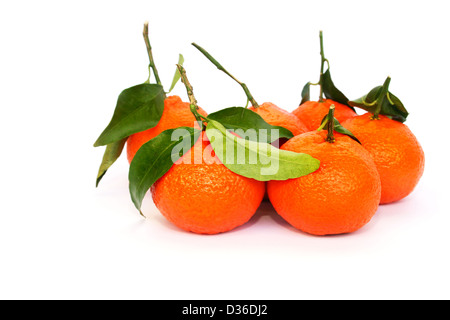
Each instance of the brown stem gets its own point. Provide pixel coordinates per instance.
(190, 93)
(330, 124)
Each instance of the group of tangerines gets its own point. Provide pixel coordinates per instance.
(365, 160)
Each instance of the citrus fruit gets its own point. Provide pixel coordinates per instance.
(340, 197)
(176, 114)
(278, 117)
(199, 194)
(395, 150)
(311, 113)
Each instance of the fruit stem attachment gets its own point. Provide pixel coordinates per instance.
(190, 92)
(221, 68)
(150, 55)
(322, 65)
(383, 95)
(329, 123)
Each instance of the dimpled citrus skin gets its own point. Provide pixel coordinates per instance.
(278, 117)
(176, 114)
(395, 150)
(311, 113)
(340, 197)
(206, 197)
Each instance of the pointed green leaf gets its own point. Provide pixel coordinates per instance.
(138, 108)
(339, 128)
(362, 104)
(306, 93)
(331, 92)
(112, 153)
(396, 102)
(374, 94)
(245, 119)
(397, 111)
(260, 161)
(177, 75)
(156, 157)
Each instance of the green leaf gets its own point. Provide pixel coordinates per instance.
(339, 128)
(362, 103)
(306, 93)
(112, 153)
(241, 118)
(380, 101)
(397, 111)
(138, 108)
(260, 161)
(156, 157)
(177, 75)
(374, 94)
(331, 92)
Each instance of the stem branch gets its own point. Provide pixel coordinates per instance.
(383, 95)
(322, 65)
(221, 68)
(150, 55)
(190, 93)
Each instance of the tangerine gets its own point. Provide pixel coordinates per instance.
(395, 150)
(340, 197)
(199, 194)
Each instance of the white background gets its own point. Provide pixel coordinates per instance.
(62, 67)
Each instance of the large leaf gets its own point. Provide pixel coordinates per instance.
(260, 161)
(156, 157)
(331, 92)
(138, 108)
(177, 75)
(112, 153)
(245, 119)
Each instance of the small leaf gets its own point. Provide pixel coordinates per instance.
(260, 161)
(397, 111)
(177, 75)
(339, 128)
(331, 92)
(380, 101)
(156, 157)
(362, 104)
(138, 108)
(396, 101)
(373, 95)
(306, 93)
(245, 119)
(112, 153)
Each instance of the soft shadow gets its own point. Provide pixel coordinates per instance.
(265, 209)
(283, 223)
